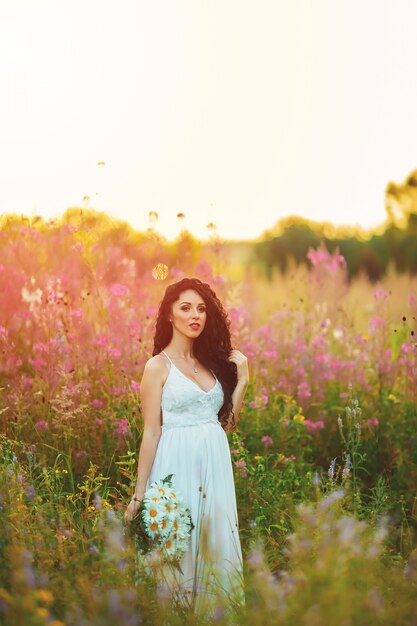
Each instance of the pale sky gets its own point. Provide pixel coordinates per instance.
(233, 112)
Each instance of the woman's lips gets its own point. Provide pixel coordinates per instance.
(194, 326)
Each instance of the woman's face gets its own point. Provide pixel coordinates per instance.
(189, 309)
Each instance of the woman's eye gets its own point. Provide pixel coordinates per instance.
(185, 308)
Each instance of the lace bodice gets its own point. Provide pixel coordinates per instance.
(184, 403)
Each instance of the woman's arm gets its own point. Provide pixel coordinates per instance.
(242, 382)
(150, 395)
(237, 399)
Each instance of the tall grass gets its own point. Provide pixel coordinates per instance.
(324, 456)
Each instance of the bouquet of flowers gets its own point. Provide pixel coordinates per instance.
(163, 521)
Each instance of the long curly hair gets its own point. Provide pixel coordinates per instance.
(212, 347)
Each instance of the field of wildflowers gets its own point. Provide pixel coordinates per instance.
(325, 454)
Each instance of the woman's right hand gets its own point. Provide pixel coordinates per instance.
(132, 509)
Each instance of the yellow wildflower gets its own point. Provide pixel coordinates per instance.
(4, 595)
(299, 418)
(392, 397)
(42, 612)
(281, 457)
(45, 596)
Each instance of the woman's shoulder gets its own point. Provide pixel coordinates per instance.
(156, 367)
(155, 370)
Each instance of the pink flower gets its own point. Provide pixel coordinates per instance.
(373, 421)
(123, 428)
(204, 268)
(97, 403)
(289, 458)
(303, 391)
(42, 425)
(260, 402)
(135, 385)
(119, 290)
(374, 324)
(234, 451)
(242, 467)
(380, 294)
(313, 425)
(267, 441)
(269, 354)
(101, 340)
(76, 314)
(322, 258)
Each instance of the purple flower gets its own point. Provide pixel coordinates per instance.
(30, 492)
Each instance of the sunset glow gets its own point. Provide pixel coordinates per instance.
(214, 110)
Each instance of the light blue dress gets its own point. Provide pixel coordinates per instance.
(194, 448)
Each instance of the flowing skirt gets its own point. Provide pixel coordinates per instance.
(198, 456)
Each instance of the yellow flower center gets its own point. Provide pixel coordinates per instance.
(153, 512)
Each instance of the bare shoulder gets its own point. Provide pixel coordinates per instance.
(156, 368)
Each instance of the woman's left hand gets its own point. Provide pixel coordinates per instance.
(242, 365)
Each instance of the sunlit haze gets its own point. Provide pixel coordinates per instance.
(236, 113)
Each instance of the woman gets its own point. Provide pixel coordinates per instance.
(191, 390)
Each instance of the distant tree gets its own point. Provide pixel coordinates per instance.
(401, 202)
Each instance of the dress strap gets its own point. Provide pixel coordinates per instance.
(167, 356)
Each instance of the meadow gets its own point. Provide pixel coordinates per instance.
(324, 455)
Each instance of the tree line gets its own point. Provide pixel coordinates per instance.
(396, 244)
